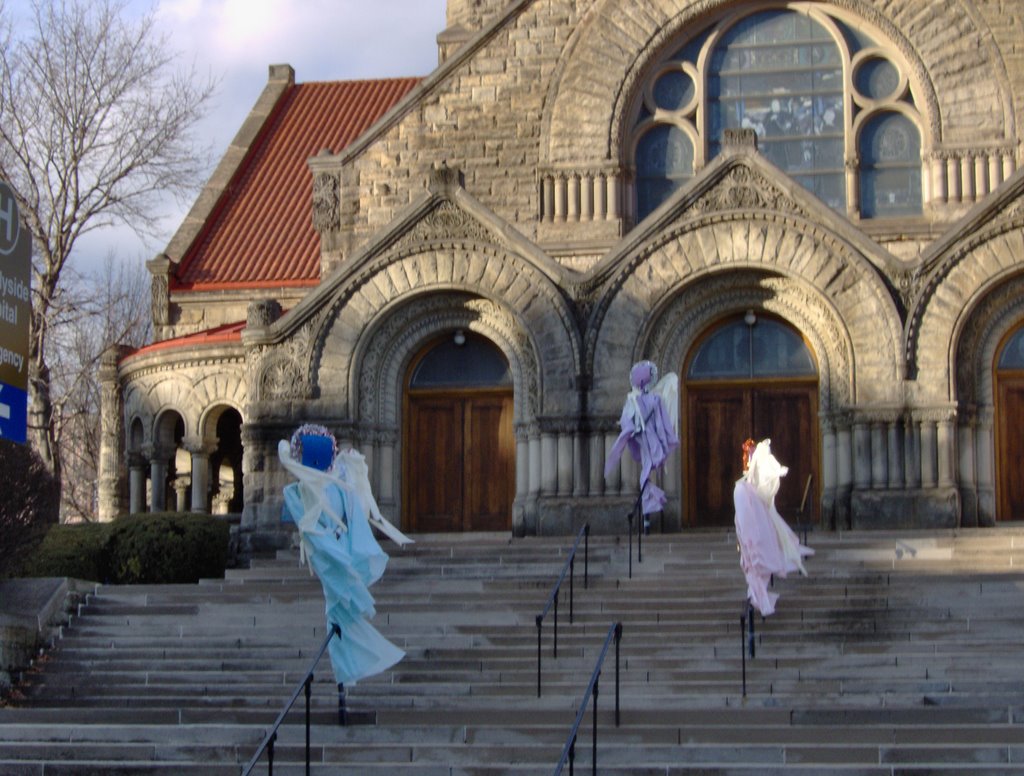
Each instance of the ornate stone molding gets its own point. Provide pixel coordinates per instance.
(1008, 219)
(678, 326)
(326, 201)
(976, 345)
(446, 223)
(262, 313)
(381, 361)
(743, 189)
(282, 371)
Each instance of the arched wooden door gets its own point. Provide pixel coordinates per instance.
(1009, 382)
(749, 378)
(459, 450)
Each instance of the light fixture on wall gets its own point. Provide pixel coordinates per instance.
(749, 318)
(459, 338)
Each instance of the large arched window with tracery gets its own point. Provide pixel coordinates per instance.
(830, 105)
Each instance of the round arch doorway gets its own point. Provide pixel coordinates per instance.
(1009, 382)
(750, 376)
(458, 463)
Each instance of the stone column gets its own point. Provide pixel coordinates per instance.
(912, 454)
(986, 474)
(967, 473)
(613, 483)
(929, 464)
(535, 462)
(386, 474)
(200, 478)
(895, 453)
(844, 459)
(879, 452)
(136, 484)
(946, 452)
(548, 463)
(158, 481)
(596, 463)
(565, 463)
(861, 455)
(581, 467)
(522, 465)
(181, 489)
(829, 477)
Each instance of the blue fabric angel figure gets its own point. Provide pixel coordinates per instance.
(333, 507)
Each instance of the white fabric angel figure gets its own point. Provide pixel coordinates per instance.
(767, 544)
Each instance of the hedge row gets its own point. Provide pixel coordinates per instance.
(136, 549)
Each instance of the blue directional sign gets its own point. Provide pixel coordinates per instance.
(13, 414)
(15, 313)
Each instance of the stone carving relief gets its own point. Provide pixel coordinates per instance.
(744, 188)
(161, 303)
(326, 202)
(282, 370)
(445, 223)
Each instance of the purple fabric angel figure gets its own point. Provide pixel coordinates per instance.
(649, 426)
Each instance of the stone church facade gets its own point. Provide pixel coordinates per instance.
(811, 211)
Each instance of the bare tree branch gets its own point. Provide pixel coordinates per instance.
(96, 129)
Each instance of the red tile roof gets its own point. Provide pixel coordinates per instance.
(261, 233)
(229, 332)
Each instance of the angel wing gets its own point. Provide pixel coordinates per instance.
(358, 476)
(668, 389)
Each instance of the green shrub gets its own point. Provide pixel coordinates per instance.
(167, 548)
(30, 506)
(78, 551)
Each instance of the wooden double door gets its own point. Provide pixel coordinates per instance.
(720, 417)
(459, 462)
(1010, 441)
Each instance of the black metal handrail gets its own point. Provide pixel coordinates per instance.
(567, 568)
(637, 509)
(569, 751)
(306, 684)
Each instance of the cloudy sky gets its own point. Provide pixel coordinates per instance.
(235, 41)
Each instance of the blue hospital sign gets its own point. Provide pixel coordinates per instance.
(15, 312)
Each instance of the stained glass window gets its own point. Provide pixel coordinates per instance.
(781, 74)
(1012, 356)
(741, 351)
(664, 162)
(462, 361)
(890, 172)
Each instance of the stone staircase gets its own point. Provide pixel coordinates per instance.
(900, 654)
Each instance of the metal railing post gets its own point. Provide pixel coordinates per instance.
(639, 531)
(592, 692)
(572, 577)
(309, 686)
(555, 653)
(586, 555)
(618, 640)
(593, 746)
(743, 650)
(540, 619)
(630, 517)
(305, 686)
(569, 567)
